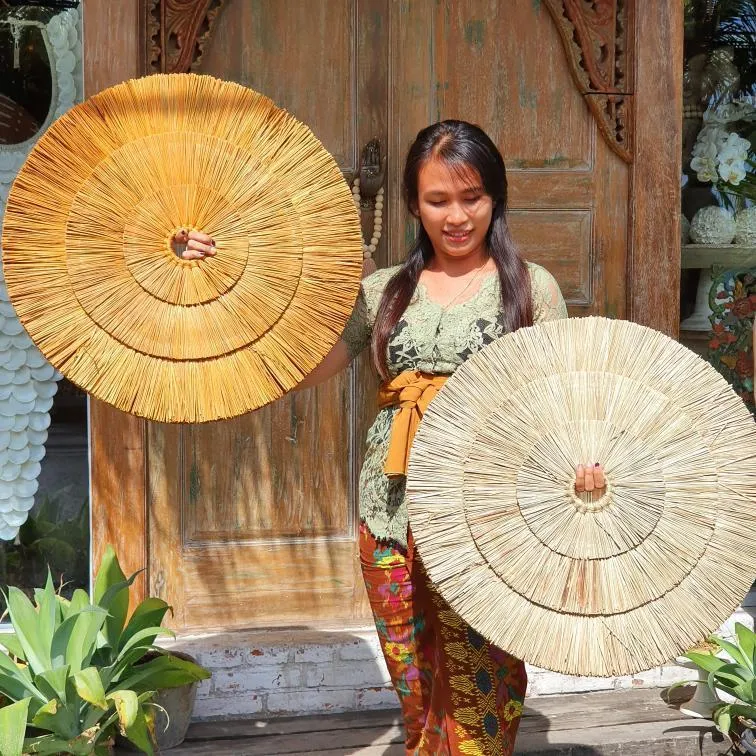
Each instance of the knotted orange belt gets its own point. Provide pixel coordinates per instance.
(412, 391)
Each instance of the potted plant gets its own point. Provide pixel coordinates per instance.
(729, 669)
(704, 700)
(75, 671)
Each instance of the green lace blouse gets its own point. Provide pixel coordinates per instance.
(431, 339)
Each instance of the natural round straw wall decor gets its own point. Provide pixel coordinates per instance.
(94, 277)
(586, 584)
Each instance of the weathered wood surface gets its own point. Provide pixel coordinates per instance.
(655, 254)
(253, 521)
(590, 724)
(231, 518)
(111, 54)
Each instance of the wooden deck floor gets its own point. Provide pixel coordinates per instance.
(635, 722)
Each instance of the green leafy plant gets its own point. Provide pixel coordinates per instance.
(731, 670)
(75, 670)
(49, 540)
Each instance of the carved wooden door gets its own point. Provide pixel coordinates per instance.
(254, 521)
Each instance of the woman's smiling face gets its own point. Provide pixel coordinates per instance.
(454, 209)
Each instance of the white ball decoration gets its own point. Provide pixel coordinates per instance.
(745, 227)
(29, 384)
(27, 381)
(712, 225)
(684, 230)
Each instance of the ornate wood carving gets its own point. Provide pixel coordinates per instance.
(177, 31)
(596, 36)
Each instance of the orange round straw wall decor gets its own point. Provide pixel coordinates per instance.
(93, 275)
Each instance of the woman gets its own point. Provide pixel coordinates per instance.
(462, 285)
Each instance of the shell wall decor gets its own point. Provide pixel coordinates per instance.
(28, 382)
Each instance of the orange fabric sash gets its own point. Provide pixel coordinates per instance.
(412, 391)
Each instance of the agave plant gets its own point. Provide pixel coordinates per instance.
(73, 671)
(731, 670)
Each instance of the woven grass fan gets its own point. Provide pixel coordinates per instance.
(587, 584)
(91, 271)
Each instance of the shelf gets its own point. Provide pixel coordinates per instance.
(707, 256)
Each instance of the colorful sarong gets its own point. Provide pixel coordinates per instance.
(458, 693)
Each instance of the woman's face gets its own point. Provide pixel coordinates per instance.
(454, 209)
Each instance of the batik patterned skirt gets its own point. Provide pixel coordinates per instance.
(459, 694)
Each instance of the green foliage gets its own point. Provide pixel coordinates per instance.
(732, 670)
(75, 670)
(48, 542)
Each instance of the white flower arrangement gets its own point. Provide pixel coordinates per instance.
(724, 158)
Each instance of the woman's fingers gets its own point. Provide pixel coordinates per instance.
(598, 476)
(589, 482)
(580, 479)
(198, 244)
(589, 478)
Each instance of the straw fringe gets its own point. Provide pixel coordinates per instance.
(90, 269)
(585, 584)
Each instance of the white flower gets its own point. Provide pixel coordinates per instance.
(733, 172)
(705, 149)
(709, 138)
(731, 155)
(737, 143)
(705, 168)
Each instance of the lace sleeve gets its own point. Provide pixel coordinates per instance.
(358, 329)
(548, 303)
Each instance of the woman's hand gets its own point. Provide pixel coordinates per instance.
(198, 244)
(589, 478)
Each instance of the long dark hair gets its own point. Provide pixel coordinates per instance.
(459, 145)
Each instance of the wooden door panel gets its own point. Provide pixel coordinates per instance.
(263, 507)
(560, 240)
(254, 521)
(502, 65)
(302, 54)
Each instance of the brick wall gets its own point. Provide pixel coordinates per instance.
(286, 673)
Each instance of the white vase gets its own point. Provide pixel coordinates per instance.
(684, 230)
(712, 225)
(745, 227)
(703, 702)
(698, 320)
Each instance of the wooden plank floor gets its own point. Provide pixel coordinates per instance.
(634, 722)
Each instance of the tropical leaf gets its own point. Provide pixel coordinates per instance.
(16, 682)
(735, 653)
(112, 594)
(52, 683)
(142, 640)
(165, 671)
(57, 719)
(47, 611)
(89, 686)
(25, 619)
(13, 728)
(707, 662)
(127, 705)
(79, 601)
(747, 641)
(11, 643)
(83, 638)
(150, 613)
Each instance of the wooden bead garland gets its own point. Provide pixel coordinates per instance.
(369, 249)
